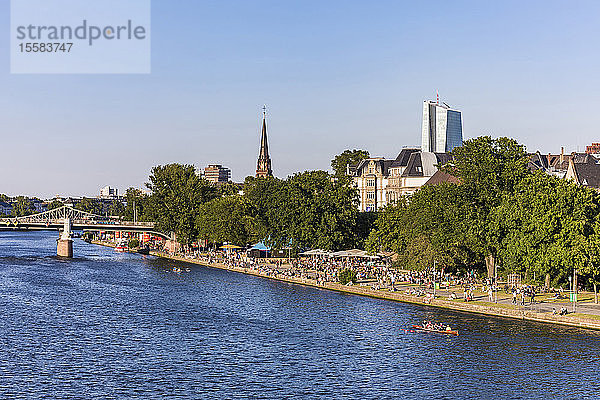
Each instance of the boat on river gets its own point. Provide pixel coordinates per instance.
(443, 331)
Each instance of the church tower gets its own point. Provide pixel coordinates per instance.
(263, 166)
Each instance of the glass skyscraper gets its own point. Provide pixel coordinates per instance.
(442, 128)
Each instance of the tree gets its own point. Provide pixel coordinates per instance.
(55, 204)
(487, 168)
(227, 189)
(308, 210)
(22, 206)
(348, 158)
(319, 212)
(545, 226)
(267, 199)
(116, 208)
(227, 219)
(177, 196)
(425, 231)
(91, 206)
(137, 204)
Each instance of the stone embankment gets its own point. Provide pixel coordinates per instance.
(457, 305)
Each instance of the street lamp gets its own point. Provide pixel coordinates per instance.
(495, 286)
(574, 290)
(434, 276)
(571, 289)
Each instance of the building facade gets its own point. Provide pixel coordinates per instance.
(441, 129)
(593, 149)
(108, 192)
(263, 165)
(216, 173)
(371, 181)
(382, 182)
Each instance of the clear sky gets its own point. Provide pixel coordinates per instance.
(333, 74)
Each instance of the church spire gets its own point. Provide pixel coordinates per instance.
(263, 166)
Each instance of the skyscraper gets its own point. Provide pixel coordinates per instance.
(263, 166)
(442, 128)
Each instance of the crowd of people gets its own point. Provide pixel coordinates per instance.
(378, 275)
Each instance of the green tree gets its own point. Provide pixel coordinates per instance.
(546, 227)
(227, 189)
(308, 210)
(22, 206)
(55, 204)
(138, 203)
(116, 208)
(319, 212)
(488, 169)
(92, 206)
(425, 231)
(227, 219)
(348, 158)
(177, 196)
(267, 200)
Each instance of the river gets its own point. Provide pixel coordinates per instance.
(107, 325)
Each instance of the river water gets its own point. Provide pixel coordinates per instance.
(107, 325)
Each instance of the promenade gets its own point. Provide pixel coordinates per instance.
(587, 313)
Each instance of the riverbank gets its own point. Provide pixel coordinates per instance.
(479, 307)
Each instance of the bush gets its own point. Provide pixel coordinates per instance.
(133, 243)
(346, 275)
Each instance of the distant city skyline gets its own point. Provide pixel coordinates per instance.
(334, 75)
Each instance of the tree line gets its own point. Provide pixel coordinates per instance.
(307, 210)
(500, 215)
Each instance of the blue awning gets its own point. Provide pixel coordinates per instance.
(260, 246)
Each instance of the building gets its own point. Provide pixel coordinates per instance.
(585, 171)
(381, 182)
(442, 128)
(263, 166)
(556, 164)
(396, 182)
(371, 181)
(593, 149)
(216, 173)
(108, 192)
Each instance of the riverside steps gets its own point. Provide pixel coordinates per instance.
(486, 308)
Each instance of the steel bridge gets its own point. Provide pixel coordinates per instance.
(67, 218)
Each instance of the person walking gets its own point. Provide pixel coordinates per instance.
(514, 293)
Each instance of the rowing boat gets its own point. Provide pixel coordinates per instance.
(444, 331)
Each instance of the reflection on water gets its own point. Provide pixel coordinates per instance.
(114, 325)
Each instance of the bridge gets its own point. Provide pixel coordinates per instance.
(65, 219)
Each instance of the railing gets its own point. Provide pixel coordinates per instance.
(77, 217)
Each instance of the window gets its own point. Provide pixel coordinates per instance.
(370, 195)
(371, 182)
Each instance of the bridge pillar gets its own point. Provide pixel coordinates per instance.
(64, 246)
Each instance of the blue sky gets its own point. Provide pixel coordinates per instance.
(333, 74)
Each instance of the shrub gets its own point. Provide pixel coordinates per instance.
(134, 243)
(346, 275)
